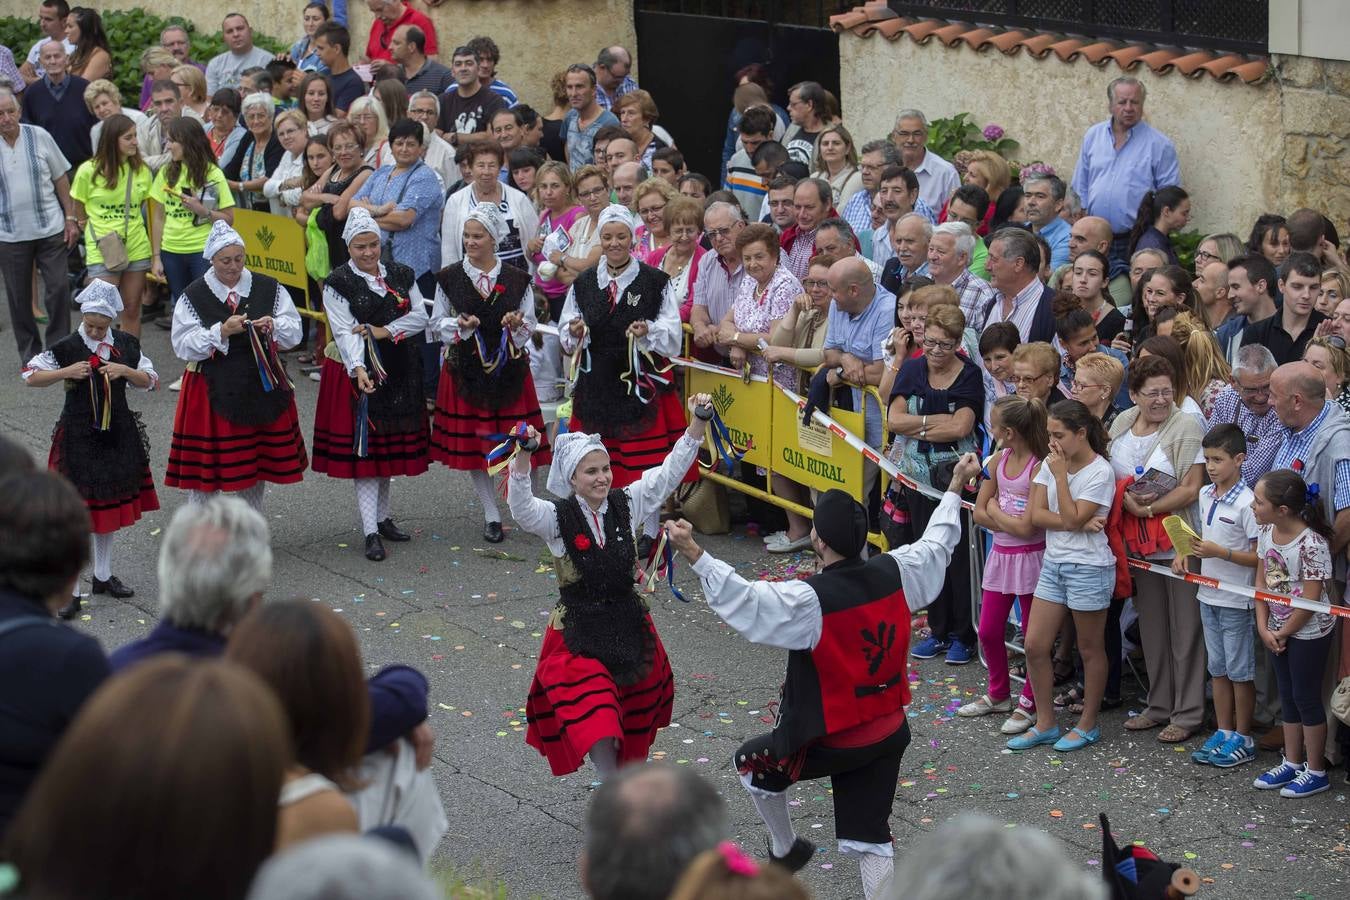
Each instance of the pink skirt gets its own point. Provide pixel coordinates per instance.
(1013, 569)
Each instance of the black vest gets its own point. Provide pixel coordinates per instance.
(502, 386)
(858, 670)
(397, 405)
(232, 379)
(601, 400)
(103, 465)
(603, 616)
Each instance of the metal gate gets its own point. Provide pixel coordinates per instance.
(690, 50)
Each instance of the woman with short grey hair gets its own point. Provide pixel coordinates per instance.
(214, 564)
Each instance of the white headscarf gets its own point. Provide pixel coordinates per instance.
(487, 215)
(615, 212)
(359, 221)
(100, 299)
(222, 236)
(568, 451)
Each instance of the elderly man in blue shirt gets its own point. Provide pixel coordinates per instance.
(1044, 195)
(1121, 159)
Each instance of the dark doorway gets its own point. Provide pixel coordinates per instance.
(689, 52)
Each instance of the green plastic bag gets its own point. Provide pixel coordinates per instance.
(316, 249)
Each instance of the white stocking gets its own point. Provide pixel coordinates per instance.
(199, 496)
(367, 503)
(382, 509)
(487, 494)
(876, 873)
(253, 496)
(773, 809)
(103, 556)
(604, 756)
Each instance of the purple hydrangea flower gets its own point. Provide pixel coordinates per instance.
(992, 132)
(1038, 168)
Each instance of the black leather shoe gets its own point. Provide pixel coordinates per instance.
(492, 533)
(374, 548)
(644, 549)
(389, 531)
(70, 610)
(796, 858)
(113, 586)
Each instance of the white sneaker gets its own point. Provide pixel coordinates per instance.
(983, 707)
(315, 376)
(787, 546)
(776, 538)
(177, 385)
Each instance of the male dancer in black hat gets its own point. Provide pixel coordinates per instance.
(842, 713)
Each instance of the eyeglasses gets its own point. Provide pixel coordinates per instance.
(362, 117)
(1153, 396)
(1205, 256)
(934, 344)
(1261, 390)
(650, 211)
(904, 135)
(1077, 386)
(812, 283)
(1029, 379)
(593, 192)
(715, 234)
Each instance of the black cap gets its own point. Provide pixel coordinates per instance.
(841, 523)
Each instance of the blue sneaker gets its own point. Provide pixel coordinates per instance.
(1204, 754)
(1033, 738)
(1277, 777)
(929, 647)
(958, 654)
(1306, 784)
(1234, 752)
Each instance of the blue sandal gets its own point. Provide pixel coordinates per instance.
(1033, 738)
(1077, 739)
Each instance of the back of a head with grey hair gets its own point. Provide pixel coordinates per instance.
(343, 867)
(6, 93)
(890, 154)
(1021, 863)
(1254, 359)
(911, 114)
(965, 238)
(734, 210)
(215, 558)
(644, 826)
(927, 225)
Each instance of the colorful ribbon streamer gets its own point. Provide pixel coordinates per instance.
(577, 363)
(271, 373)
(644, 380)
(100, 394)
(727, 450)
(374, 364)
(500, 456)
(665, 553)
(361, 437)
(505, 352)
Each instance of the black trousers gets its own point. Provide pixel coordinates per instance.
(16, 267)
(862, 780)
(949, 616)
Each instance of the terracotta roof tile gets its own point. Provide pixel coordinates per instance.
(876, 17)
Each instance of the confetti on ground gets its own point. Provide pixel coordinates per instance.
(1056, 813)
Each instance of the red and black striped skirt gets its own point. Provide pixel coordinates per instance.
(210, 453)
(390, 453)
(109, 513)
(575, 702)
(461, 430)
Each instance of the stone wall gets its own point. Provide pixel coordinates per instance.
(537, 37)
(1228, 134)
(1315, 150)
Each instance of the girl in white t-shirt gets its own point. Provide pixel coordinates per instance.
(1070, 497)
(1292, 557)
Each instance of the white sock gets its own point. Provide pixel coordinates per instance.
(487, 494)
(604, 755)
(1226, 734)
(253, 496)
(773, 809)
(103, 555)
(198, 496)
(652, 526)
(876, 873)
(367, 503)
(382, 508)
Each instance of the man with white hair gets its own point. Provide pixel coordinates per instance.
(715, 286)
(949, 254)
(937, 177)
(909, 245)
(425, 108)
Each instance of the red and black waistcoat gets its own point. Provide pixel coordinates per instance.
(858, 671)
(601, 400)
(232, 378)
(499, 388)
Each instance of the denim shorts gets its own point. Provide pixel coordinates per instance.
(1230, 641)
(98, 270)
(1083, 588)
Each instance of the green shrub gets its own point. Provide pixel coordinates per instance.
(948, 137)
(130, 32)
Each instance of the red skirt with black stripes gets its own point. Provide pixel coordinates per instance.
(461, 430)
(574, 702)
(109, 513)
(389, 453)
(630, 457)
(210, 453)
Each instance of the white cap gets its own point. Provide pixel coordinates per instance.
(568, 451)
(221, 236)
(100, 299)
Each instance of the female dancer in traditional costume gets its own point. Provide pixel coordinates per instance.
(370, 423)
(484, 313)
(99, 443)
(603, 685)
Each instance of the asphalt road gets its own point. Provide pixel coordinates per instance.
(473, 624)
